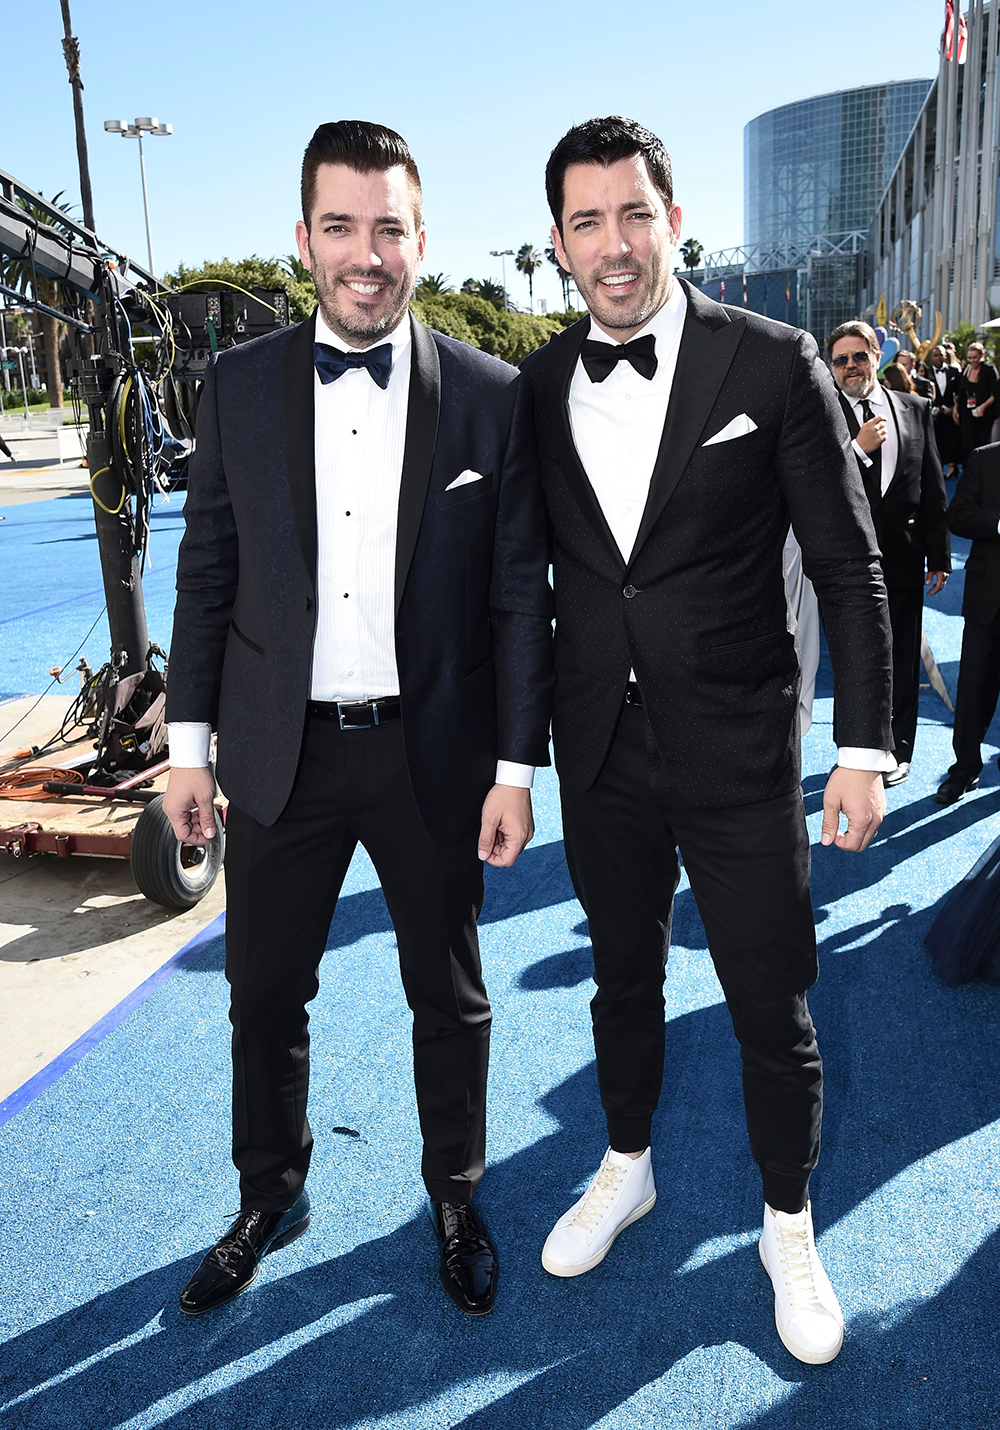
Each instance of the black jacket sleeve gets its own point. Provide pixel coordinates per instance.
(967, 516)
(831, 518)
(933, 513)
(208, 564)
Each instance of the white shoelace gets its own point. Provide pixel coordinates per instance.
(599, 1198)
(799, 1275)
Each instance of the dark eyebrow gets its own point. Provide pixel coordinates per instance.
(352, 218)
(622, 208)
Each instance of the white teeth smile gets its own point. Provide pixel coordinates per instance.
(618, 280)
(366, 288)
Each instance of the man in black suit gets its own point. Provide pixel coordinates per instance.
(363, 612)
(975, 513)
(676, 438)
(944, 378)
(898, 458)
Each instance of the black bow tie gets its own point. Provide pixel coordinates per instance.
(600, 359)
(332, 363)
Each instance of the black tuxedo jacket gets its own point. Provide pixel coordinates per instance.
(699, 609)
(473, 605)
(911, 523)
(975, 513)
(923, 386)
(945, 401)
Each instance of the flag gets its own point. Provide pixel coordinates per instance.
(948, 38)
(744, 290)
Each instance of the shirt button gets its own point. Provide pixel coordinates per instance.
(629, 592)
(345, 595)
(628, 508)
(350, 672)
(628, 397)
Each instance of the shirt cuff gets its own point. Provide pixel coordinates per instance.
(510, 773)
(862, 454)
(852, 757)
(189, 743)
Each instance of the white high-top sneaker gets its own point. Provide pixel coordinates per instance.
(620, 1194)
(806, 1310)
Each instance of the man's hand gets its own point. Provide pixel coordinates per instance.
(507, 825)
(190, 804)
(860, 796)
(935, 582)
(872, 435)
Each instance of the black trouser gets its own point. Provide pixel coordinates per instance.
(906, 614)
(282, 885)
(749, 871)
(978, 692)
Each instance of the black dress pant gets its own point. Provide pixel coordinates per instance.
(749, 872)
(978, 692)
(906, 614)
(282, 885)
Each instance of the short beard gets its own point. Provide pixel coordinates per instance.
(617, 319)
(347, 325)
(861, 383)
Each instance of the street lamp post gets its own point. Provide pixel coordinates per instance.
(136, 131)
(503, 254)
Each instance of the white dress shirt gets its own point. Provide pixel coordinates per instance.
(617, 425)
(890, 447)
(359, 435)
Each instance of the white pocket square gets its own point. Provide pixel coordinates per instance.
(464, 480)
(740, 426)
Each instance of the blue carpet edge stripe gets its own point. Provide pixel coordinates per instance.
(89, 1040)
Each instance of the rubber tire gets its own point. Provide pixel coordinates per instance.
(157, 860)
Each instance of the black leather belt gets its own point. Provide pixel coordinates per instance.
(633, 695)
(357, 714)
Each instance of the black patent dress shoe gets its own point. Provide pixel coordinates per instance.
(896, 776)
(954, 788)
(468, 1268)
(234, 1261)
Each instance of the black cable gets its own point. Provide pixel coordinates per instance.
(52, 682)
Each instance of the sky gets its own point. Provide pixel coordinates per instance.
(480, 94)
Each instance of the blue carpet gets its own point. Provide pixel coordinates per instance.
(117, 1177)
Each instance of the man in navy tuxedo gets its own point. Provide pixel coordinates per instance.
(363, 614)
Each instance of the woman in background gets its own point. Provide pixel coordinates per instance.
(975, 400)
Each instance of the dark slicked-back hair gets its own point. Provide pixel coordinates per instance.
(605, 141)
(854, 329)
(368, 148)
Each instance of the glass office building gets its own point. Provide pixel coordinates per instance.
(821, 166)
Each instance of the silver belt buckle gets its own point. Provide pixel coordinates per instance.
(355, 703)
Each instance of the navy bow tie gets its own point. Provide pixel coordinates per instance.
(600, 359)
(332, 363)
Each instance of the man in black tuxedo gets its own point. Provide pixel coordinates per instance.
(676, 438)
(975, 513)
(944, 379)
(898, 459)
(363, 613)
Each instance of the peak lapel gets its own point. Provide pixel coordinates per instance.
(298, 416)
(708, 345)
(563, 353)
(423, 410)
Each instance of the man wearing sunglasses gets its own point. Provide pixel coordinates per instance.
(894, 442)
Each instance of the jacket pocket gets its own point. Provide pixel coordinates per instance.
(756, 640)
(467, 492)
(246, 639)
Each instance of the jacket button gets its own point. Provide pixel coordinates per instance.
(629, 592)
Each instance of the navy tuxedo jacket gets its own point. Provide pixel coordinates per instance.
(911, 522)
(473, 604)
(975, 513)
(699, 608)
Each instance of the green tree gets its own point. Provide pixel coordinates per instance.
(432, 285)
(528, 261)
(254, 272)
(485, 288)
(564, 276)
(691, 251)
(473, 319)
(962, 336)
(18, 274)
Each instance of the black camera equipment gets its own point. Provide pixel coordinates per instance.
(141, 398)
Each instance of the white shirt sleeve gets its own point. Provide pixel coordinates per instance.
(862, 454)
(189, 743)
(511, 773)
(850, 757)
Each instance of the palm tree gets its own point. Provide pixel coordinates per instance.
(527, 261)
(18, 274)
(494, 293)
(564, 276)
(691, 251)
(432, 285)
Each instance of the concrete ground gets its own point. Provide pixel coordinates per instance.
(76, 936)
(37, 473)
